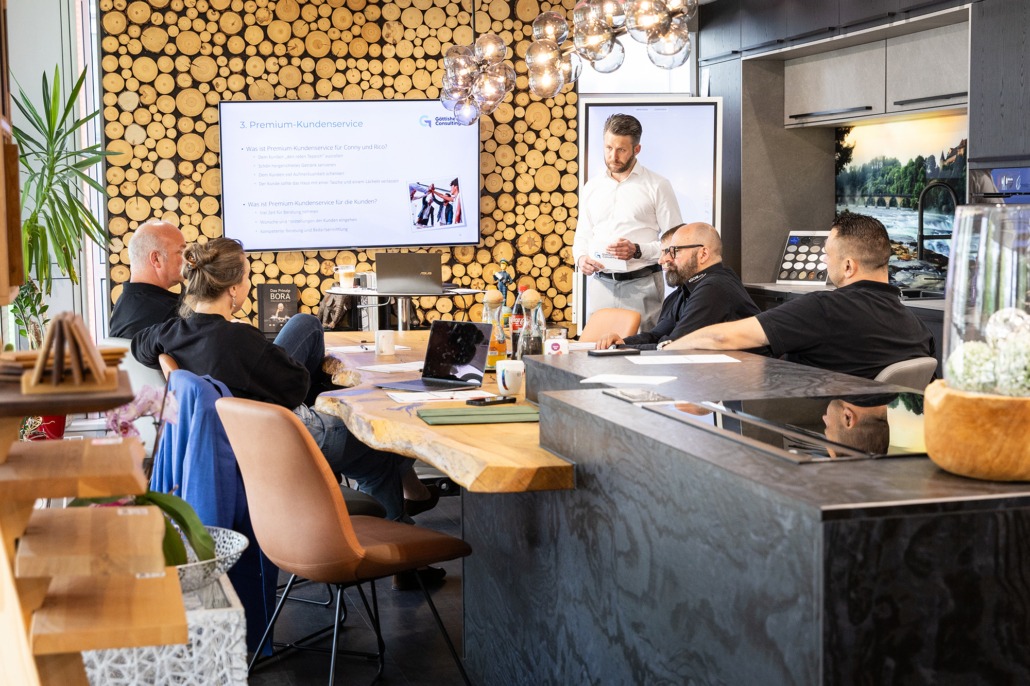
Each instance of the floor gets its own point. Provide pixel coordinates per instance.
(415, 651)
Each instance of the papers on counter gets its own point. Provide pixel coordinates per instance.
(629, 378)
(682, 359)
(393, 367)
(363, 348)
(406, 397)
(581, 345)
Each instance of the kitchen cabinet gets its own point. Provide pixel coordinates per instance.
(999, 82)
(812, 19)
(763, 24)
(855, 12)
(929, 5)
(718, 30)
(725, 82)
(835, 86)
(928, 69)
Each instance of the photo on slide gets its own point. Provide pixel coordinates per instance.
(435, 204)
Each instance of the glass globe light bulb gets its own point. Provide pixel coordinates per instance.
(458, 51)
(542, 54)
(449, 103)
(646, 18)
(587, 11)
(488, 106)
(545, 83)
(505, 72)
(670, 61)
(614, 13)
(488, 88)
(674, 6)
(612, 61)
(550, 26)
(594, 41)
(466, 112)
(571, 67)
(490, 48)
(670, 42)
(451, 91)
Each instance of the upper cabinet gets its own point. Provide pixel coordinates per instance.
(719, 30)
(928, 69)
(763, 24)
(999, 87)
(856, 12)
(835, 86)
(812, 19)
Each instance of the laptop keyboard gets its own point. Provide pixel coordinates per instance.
(438, 384)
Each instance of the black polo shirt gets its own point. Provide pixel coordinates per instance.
(141, 305)
(858, 329)
(711, 296)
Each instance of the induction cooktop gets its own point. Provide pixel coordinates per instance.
(812, 429)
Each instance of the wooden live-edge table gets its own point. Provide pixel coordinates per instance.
(483, 458)
(77, 579)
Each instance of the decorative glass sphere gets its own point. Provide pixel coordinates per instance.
(612, 61)
(550, 26)
(543, 54)
(506, 73)
(458, 51)
(587, 11)
(467, 112)
(646, 18)
(489, 88)
(594, 41)
(449, 103)
(545, 83)
(490, 48)
(677, 41)
(460, 69)
(571, 67)
(614, 12)
(451, 91)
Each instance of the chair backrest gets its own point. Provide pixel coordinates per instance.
(917, 373)
(168, 364)
(610, 320)
(298, 514)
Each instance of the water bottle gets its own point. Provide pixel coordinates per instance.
(531, 336)
(518, 319)
(497, 349)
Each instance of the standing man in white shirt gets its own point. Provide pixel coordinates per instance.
(622, 215)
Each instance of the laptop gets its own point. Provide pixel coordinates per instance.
(455, 358)
(409, 273)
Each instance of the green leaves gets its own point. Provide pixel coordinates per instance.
(55, 179)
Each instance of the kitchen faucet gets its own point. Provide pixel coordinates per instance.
(920, 238)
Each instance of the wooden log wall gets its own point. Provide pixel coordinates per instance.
(167, 63)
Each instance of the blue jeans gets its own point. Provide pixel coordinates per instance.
(377, 473)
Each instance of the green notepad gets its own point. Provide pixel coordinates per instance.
(480, 415)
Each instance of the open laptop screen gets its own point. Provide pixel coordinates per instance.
(457, 351)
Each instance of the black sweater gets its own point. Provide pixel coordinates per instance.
(237, 354)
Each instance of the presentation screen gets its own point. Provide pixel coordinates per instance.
(299, 175)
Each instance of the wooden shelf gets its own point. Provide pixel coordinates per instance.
(65, 670)
(60, 469)
(94, 541)
(95, 613)
(14, 404)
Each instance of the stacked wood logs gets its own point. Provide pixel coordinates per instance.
(167, 63)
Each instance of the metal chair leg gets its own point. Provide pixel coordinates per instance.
(336, 634)
(373, 615)
(443, 630)
(271, 623)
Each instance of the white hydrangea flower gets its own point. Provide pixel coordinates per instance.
(1005, 323)
(1012, 365)
(970, 367)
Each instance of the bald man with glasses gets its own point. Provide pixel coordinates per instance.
(707, 292)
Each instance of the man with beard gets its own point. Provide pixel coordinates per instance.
(621, 216)
(707, 292)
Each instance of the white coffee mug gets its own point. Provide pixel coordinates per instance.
(345, 273)
(509, 376)
(384, 342)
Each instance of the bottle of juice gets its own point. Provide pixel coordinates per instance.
(518, 319)
(497, 349)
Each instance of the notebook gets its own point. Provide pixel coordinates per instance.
(408, 273)
(455, 358)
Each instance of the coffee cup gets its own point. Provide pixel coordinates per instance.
(384, 342)
(345, 273)
(510, 374)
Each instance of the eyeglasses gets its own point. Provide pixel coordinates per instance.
(671, 250)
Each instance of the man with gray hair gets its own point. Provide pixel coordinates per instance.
(155, 262)
(622, 214)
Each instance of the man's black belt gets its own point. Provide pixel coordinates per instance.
(630, 276)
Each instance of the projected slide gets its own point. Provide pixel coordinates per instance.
(347, 174)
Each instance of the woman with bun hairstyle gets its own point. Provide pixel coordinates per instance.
(209, 340)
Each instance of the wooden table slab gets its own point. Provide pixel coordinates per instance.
(484, 458)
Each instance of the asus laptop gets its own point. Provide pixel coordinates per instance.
(455, 358)
(408, 273)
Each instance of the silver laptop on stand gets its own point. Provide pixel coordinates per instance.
(409, 273)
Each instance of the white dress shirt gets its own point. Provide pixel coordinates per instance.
(640, 209)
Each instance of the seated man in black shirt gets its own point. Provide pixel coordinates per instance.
(155, 261)
(859, 329)
(706, 291)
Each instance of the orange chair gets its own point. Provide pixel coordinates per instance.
(610, 320)
(301, 522)
(168, 364)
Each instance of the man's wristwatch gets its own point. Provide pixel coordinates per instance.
(636, 251)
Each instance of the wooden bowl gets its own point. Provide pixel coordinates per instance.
(978, 435)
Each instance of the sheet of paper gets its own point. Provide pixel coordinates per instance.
(392, 368)
(629, 378)
(581, 345)
(363, 348)
(463, 291)
(682, 359)
(610, 262)
(406, 397)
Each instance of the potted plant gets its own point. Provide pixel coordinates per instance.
(56, 218)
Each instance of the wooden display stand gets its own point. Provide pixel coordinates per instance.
(77, 579)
